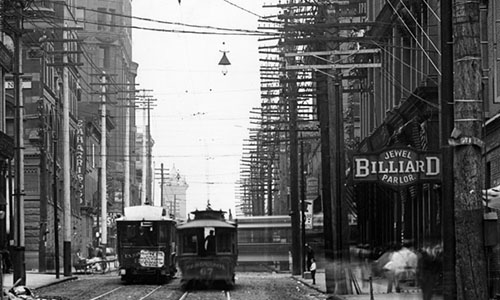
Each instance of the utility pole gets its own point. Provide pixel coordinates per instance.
(44, 188)
(126, 162)
(104, 200)
(19, 250)
(303, 262)
(66, 161)
(144, 198)
(146, 170)
(466, 138)
(339, 215)
(446, 124)
(54, 200)
(149, 177)
(161, 187)
(291, 97)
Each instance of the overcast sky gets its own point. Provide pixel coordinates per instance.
(202, 116)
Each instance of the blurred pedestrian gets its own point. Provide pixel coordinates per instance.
(90, 251)
(310, 255)
(313, 270)
(430, 269)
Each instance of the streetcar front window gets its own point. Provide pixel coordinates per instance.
(224, 241)
(135, 235)
(190, 243)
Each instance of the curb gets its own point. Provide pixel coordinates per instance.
(56, 282)
(315, 287)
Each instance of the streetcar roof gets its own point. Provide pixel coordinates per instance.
(205, 223)
(144, 213)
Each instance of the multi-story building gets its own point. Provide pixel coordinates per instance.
(47, 54)
(108, 78)
(6, 133)
(174, 193)
(60, 64)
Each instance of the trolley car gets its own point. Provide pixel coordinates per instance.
(264, 242)
(146, 244)
(207, 251)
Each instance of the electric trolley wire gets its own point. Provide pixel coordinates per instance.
(244, 9)
(234, 32)
(168, 22)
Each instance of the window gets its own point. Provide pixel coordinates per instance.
(104, 57)
(80, 16)
(224, 241)
(189, 243)
(137, 235)
(112, 17)
(101, 19)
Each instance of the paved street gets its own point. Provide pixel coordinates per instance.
(249, 284)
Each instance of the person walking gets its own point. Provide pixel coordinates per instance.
(310, 255)
(313, 270)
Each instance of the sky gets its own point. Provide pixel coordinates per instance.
(201, 118)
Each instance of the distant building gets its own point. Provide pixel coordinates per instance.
(174, 193)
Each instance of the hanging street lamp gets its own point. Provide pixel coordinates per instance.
(224, 61)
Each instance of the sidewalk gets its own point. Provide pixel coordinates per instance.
(35, 280)
(379, 290)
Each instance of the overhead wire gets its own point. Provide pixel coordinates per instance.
(234, 33)
(420, 27)
(243, 9)
(167, 22)
(414, 37)
(404, 63)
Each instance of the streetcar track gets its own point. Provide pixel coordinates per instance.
(186, 293)
(150, 293)
(107, 293)
(121, 287)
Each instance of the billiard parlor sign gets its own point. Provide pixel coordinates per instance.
(397, 167)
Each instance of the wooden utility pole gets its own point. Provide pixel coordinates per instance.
(291, 98)
(54, 199)
(103, 171)
(338, 171)
(446, 125)
(471, 267)
(126, 158)
(162, 183)
(66, 161)
(19, 249)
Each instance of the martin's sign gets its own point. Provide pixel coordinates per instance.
(397, 167)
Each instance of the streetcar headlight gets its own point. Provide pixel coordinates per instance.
(123, 272)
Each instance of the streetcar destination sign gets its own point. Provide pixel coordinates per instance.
(397, 166)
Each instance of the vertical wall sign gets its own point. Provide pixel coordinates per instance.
(80, 161)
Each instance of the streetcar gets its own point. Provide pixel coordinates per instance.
(207, 249)
(264, 243)
(146, 244)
